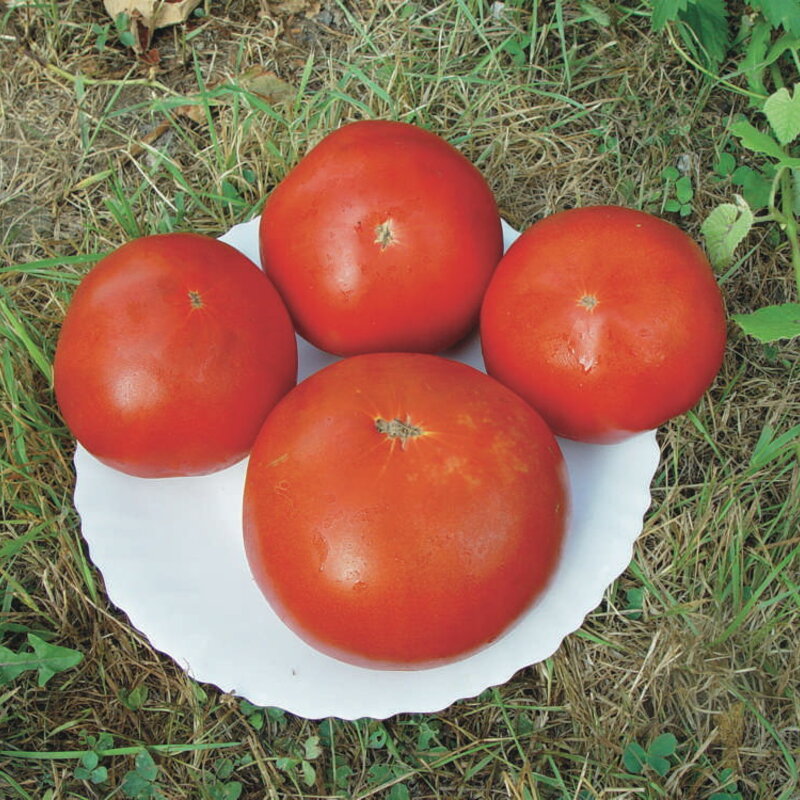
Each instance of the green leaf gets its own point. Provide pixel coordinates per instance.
(399, 792)
(596, 14)
(90, 759)
(683, 189)
(52, 658)
(308, 772)
(756, 185)
(663, 745)
(342, 775)
(795, 186)
(377, 739)
(665, 11)
(754, 63)
(783, 113)
(759, 142)
(134, 785)
(47, 658)
(725, 165)
(781, 12)
(672, 206)
(635, 602)
(233, 790)
(724, 230)
(312, 748)
(127, 38)
(771, 323)
(670, 173)
(99, 775)
(145, 766)
(427, 733)
(709, 22)
(659, 764)
(285, 763)
(634, 758)
(135, 698)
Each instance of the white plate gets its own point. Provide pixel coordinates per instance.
(172, 557)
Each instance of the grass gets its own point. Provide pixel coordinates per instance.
(558, 107)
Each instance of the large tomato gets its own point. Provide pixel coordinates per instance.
(607, 320)
(173, 350)
(403, 510)
(382, 238)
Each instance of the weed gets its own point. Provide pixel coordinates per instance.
(656, 757)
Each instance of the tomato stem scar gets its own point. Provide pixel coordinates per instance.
(195, 299)
(397, 429)
(588, 301)
(384, 235)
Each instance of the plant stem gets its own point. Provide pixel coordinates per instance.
(790, 222)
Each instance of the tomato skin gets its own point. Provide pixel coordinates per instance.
(403, 555)
(608, 320)
(173, 350)
(382, 238)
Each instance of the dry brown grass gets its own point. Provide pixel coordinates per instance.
(703, 661)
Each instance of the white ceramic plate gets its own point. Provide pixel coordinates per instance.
(172, 557)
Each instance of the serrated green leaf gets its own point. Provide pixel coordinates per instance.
(90, 759)
(760, 142)
(781, 12)
(665, 11)
(709, 22)
(634, 758)
(771, 323)
(783, 113)
(663, 745)
(754, 62)
(724, 229)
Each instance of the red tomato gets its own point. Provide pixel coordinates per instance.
(607, 320)
(383, 238)
(173, 350)
(402, 510)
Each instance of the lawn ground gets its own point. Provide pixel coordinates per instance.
(559, 104)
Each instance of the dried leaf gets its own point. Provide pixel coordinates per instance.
(266, 84)
(148, 15)
(308, 8)
(153, 13)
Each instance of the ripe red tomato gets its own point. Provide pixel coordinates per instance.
(607, 320)
(174, 349)
(383, 238)
(402, 510)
